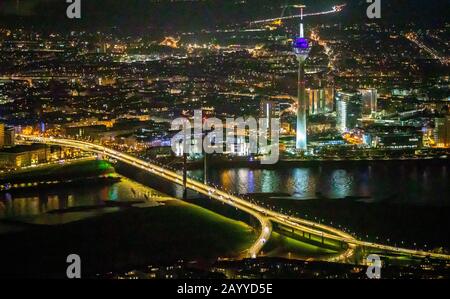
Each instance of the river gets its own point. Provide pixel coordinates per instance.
(424, 183)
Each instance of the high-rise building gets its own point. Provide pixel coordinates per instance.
(2, 135)
(442, 132)
(301, 50)
(313, 96)
(269, 110)
(348, 110)
(320, 100)
(369, 101)
(329, 99)
(10, 137)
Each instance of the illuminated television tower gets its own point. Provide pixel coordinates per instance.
(301, 50)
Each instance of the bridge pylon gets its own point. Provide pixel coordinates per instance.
(185, 155)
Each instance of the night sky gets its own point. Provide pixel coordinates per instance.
(202, 14)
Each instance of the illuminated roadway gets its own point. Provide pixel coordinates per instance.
(433, 53)
(266, 225)
(263, 215)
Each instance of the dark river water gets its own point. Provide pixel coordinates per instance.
(411, 198)
(32, 206)
(394, 202)
(425, 182)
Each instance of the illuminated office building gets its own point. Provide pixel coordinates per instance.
(369, 101)
(2, 135)
(442, 132)
(348, 110)
(320, 100)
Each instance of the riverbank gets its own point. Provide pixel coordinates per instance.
(175, 231)
(111, 226)
(64, 174)
(255, 164)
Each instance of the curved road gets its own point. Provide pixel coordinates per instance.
(264, 216)
(335, 9)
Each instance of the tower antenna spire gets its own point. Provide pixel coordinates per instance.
(301, 7)
(302, 33)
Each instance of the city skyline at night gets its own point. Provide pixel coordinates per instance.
(224, 140)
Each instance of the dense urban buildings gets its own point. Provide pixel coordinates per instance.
(355, 113)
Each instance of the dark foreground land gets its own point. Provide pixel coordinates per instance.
(111, 242)
(278, 268)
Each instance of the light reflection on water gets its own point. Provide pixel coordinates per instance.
(33, 203)
(401, 182)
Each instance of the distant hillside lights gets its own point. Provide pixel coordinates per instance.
(74, 9)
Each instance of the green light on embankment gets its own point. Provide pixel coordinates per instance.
(103, 165)
(113, 194)
(280, 245)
